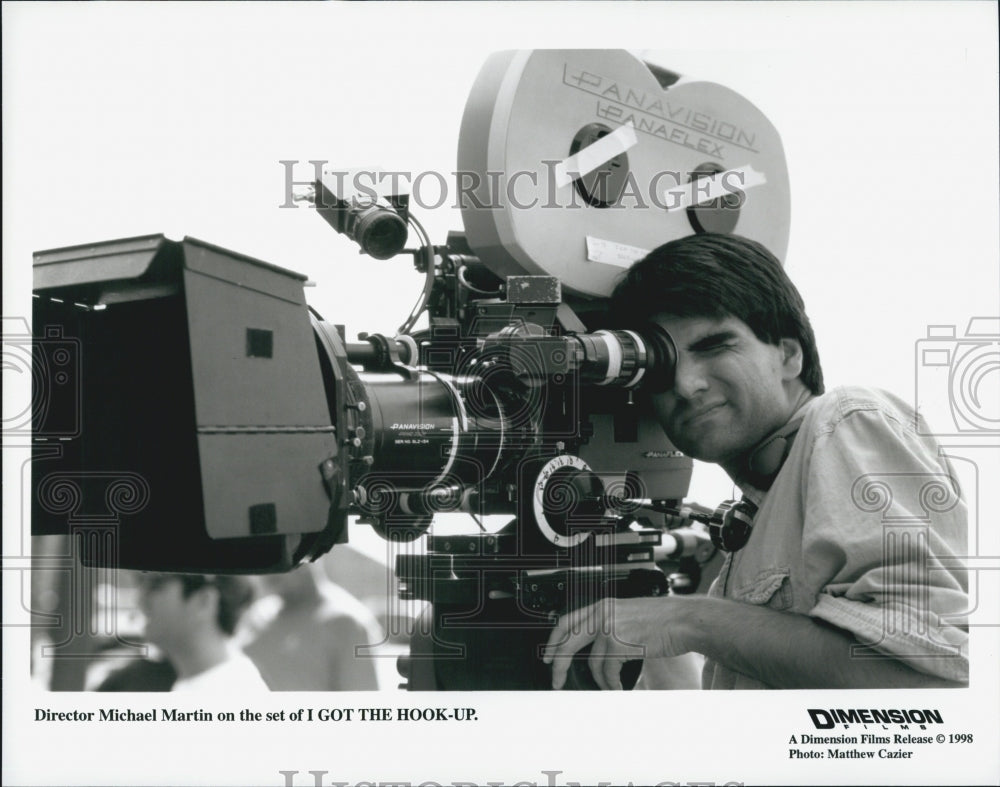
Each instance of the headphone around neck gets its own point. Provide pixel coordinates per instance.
(732, 522)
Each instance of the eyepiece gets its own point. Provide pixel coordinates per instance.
(662, 358)
(629, 359)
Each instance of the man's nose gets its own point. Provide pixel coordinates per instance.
(689, 377)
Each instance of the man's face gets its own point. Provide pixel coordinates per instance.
(170, 617)
(731, 390)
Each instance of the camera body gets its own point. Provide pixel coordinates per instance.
(258, 428)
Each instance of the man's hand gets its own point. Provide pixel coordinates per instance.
(620, 629)
(779, 649)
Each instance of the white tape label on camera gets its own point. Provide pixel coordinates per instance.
(593, 156)
(712, 187)
(610, 252)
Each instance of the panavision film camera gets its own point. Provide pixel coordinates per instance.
(219, 425)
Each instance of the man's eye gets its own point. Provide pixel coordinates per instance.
(715, 347)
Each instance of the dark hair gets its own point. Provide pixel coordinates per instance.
(235, 595)
(711, 275)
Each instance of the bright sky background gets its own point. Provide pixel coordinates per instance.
(122, 120)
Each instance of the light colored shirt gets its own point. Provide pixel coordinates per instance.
(861, 529)
(235, 675)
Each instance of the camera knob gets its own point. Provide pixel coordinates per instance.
(329, 469)
(731, 524)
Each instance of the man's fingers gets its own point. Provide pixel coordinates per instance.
(561, 655)
(596, 660)
(560, 666)
(567, 631)
(551, 653)
(608, 658)
(611, 677)
(556, 637)
(573, 632)
(611, 649)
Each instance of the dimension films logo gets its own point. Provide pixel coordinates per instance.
(827, 718)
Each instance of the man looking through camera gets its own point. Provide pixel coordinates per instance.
(820, 574)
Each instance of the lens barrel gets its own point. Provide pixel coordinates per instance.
(627, 358)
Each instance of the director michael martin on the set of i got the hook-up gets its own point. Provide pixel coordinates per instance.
(615, 306)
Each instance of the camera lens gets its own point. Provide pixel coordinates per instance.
(380, 232)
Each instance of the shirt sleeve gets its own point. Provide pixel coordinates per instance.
(884, 527)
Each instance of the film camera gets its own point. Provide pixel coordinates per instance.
(224, 427)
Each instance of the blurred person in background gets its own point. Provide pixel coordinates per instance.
(192, 618)
(320, 638)
(145, 674)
